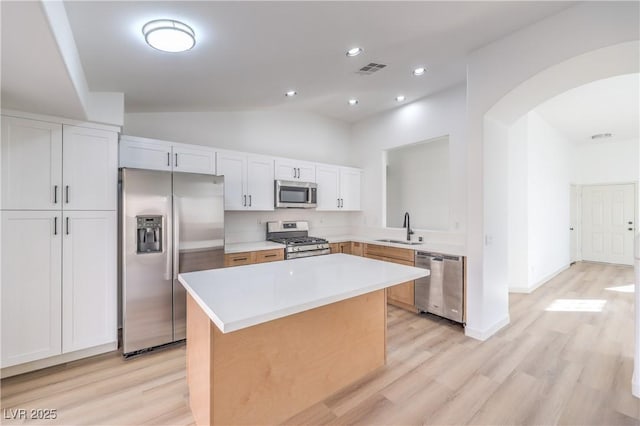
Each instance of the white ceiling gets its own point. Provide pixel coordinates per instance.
(249, 53)
(610, 105)
(34, 75)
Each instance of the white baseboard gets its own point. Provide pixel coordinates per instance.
(488, 332)
(58, 359)
(534, 287)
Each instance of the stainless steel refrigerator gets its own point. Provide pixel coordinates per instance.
(170, 223)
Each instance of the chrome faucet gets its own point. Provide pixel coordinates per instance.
(407, 225)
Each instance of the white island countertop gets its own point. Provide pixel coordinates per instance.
(244, 296)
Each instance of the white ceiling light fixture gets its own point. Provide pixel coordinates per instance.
(353, 102)
(354, 51)
(400, 98)
(291, 93)
(419, 71)
(169, 35)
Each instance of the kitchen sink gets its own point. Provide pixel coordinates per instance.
(409, 243)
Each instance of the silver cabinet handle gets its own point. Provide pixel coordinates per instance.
(168, 159)
(298, 172)
(341, 202)
(244, 203)
(67, 225)
(338, 202)
(66, 191)
(55, 194)
(55, 225)
(249, 200)
(294, 172)
(176, 159)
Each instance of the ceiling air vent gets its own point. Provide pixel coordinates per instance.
(370, 68)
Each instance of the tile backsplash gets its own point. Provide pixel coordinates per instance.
(251, 226)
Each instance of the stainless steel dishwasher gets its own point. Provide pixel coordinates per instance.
(442, 292)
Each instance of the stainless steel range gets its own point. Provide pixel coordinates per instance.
(295, 235)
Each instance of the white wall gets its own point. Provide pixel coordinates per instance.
(302, 136)
(548, 48)
(549, 177)
(295, 135)
(518, 212)
(428, 118)
(606, 162)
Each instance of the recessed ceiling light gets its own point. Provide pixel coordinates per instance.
(169, 35)
(353, 102)
(601, 136)
(291, 93)
(419, 71)
(355, 51)
(400, 98)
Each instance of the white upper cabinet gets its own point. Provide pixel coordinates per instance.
(328, 188)
(89, 293)
(350, 188)
(153, 154)
(248, 181)
(295, 170)
(31, 274)
(260, 182)
(233, 166)
(90, 169)
(194, 159)
(338, 188)
(47, 166)
(31, 173)
(143, 153)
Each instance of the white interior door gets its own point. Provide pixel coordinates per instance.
(608, 216)
(573, 224)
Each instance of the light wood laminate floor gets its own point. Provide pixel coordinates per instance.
(546, 367)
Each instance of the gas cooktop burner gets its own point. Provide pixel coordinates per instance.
(295, 236)
(292, 241)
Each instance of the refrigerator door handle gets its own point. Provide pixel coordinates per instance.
(176, 238)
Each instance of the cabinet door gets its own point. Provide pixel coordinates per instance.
(89, 291)
(327, 180)
(90, 169)
(286, 170)
(350, 189)
(403, 293)
(31, 164)
(357, 248)
(142, 153)
(31, 285)
(193, 159)
(233, 166)
(306, 172)
(260, 186)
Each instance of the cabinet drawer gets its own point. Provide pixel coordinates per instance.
(390, 253)
(237, 259)
(263, 256)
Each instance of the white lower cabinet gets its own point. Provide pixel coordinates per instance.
(338, 188)
(58, 283)
(248, 181)
(31, 253)
(89, 293)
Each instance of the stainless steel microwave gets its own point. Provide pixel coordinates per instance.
(291, 194)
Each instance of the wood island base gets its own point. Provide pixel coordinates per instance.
(266, 373)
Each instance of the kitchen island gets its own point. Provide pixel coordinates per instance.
(266, 341)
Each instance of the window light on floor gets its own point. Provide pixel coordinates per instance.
(629, 288)
(576, 305)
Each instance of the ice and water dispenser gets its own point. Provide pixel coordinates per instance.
(149, 234)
